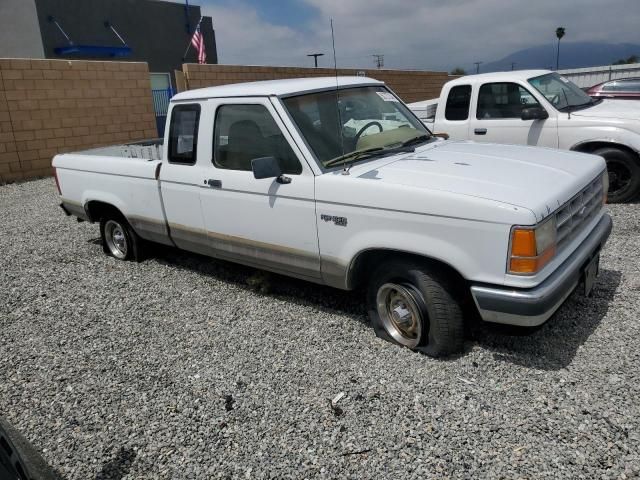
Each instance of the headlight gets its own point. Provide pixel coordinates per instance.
(605, 186)
(531, 248)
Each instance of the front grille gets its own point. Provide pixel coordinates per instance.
(574, 215)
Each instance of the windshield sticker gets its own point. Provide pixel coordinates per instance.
(565, 80)
(387, 97)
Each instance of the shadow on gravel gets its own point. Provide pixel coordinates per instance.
(553, 345)
(549, 347)
(119, 466)
(296, 291)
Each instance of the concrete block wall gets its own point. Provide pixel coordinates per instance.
(410, 85)
(52, 106)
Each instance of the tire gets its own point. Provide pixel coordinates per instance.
(19, 459)
(119, 240)
(624, 174)
(415, 306)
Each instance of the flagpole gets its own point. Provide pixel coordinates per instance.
(184, 56)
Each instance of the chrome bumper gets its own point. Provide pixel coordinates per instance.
(533, 306)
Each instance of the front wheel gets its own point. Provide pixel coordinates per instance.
(415, 306)
(624, 174)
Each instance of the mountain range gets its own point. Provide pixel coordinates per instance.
(572, 55)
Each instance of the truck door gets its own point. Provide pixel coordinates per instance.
(263, 223)
(496, 117)
(181, 178)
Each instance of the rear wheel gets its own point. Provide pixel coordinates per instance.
(415, 306)
(119, 240)
(624, 174)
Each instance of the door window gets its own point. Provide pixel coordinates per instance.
(622, 86)
(458, 103)
(245, 132)
(503, 100)
(183, 134)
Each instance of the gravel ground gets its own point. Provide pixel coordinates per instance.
(180, 367)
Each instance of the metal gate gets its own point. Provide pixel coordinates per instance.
(161, 98)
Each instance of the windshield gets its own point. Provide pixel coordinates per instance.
(561, 93)
(361, 121)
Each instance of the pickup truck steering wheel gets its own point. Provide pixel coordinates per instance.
(362, 130)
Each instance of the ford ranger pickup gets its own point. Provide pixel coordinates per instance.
(337, 182)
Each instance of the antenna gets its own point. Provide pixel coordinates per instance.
(339, 116)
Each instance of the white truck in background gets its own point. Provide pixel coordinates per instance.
(336, 182)
(541, 108)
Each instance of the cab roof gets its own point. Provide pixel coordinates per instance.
(274, 87)
(500, 76)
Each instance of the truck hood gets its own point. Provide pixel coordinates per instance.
(616, 109)
(538, 179)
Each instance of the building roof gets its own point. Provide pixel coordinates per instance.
(274, 87)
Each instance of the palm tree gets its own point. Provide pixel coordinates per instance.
(559, 33)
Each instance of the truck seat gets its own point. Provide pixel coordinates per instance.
(245, 143)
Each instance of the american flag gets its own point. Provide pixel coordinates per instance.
(198, 43)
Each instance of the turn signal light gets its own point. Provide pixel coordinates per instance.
(532, 248)
(530, 266)
(523, 243)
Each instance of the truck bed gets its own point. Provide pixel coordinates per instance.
(124, 176)
(146, 149)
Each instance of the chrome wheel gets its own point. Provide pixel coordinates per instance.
(400, 313)
(116, 239)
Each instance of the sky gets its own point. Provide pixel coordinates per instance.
(412, 34)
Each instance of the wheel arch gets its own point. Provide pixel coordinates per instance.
(589, 146)
(365, 261)
(96, 209)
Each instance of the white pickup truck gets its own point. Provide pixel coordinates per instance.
(336, 182)
(541, 108)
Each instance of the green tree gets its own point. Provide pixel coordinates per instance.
(458, 71)
(560, 31)
(625, 61)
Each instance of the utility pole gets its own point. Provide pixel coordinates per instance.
(315, 57)
(513, 64)
(187, 25)
(378, 60)
(477, 64)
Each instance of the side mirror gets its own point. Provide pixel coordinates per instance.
(265, 167)
(534, 113)
(268, 167)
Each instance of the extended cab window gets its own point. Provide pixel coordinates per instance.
(245, 132)
(503, 100)
(458, 103)
(183, 134)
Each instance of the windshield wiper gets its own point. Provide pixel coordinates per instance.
(416, 140)
(366, 153)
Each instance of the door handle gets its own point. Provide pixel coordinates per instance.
(480, 131)
(213, 183)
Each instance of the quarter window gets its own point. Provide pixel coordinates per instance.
(183, 134)
(503, 100)
(458, 103)
(245, 132)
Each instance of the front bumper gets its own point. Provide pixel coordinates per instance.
(533, 306)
